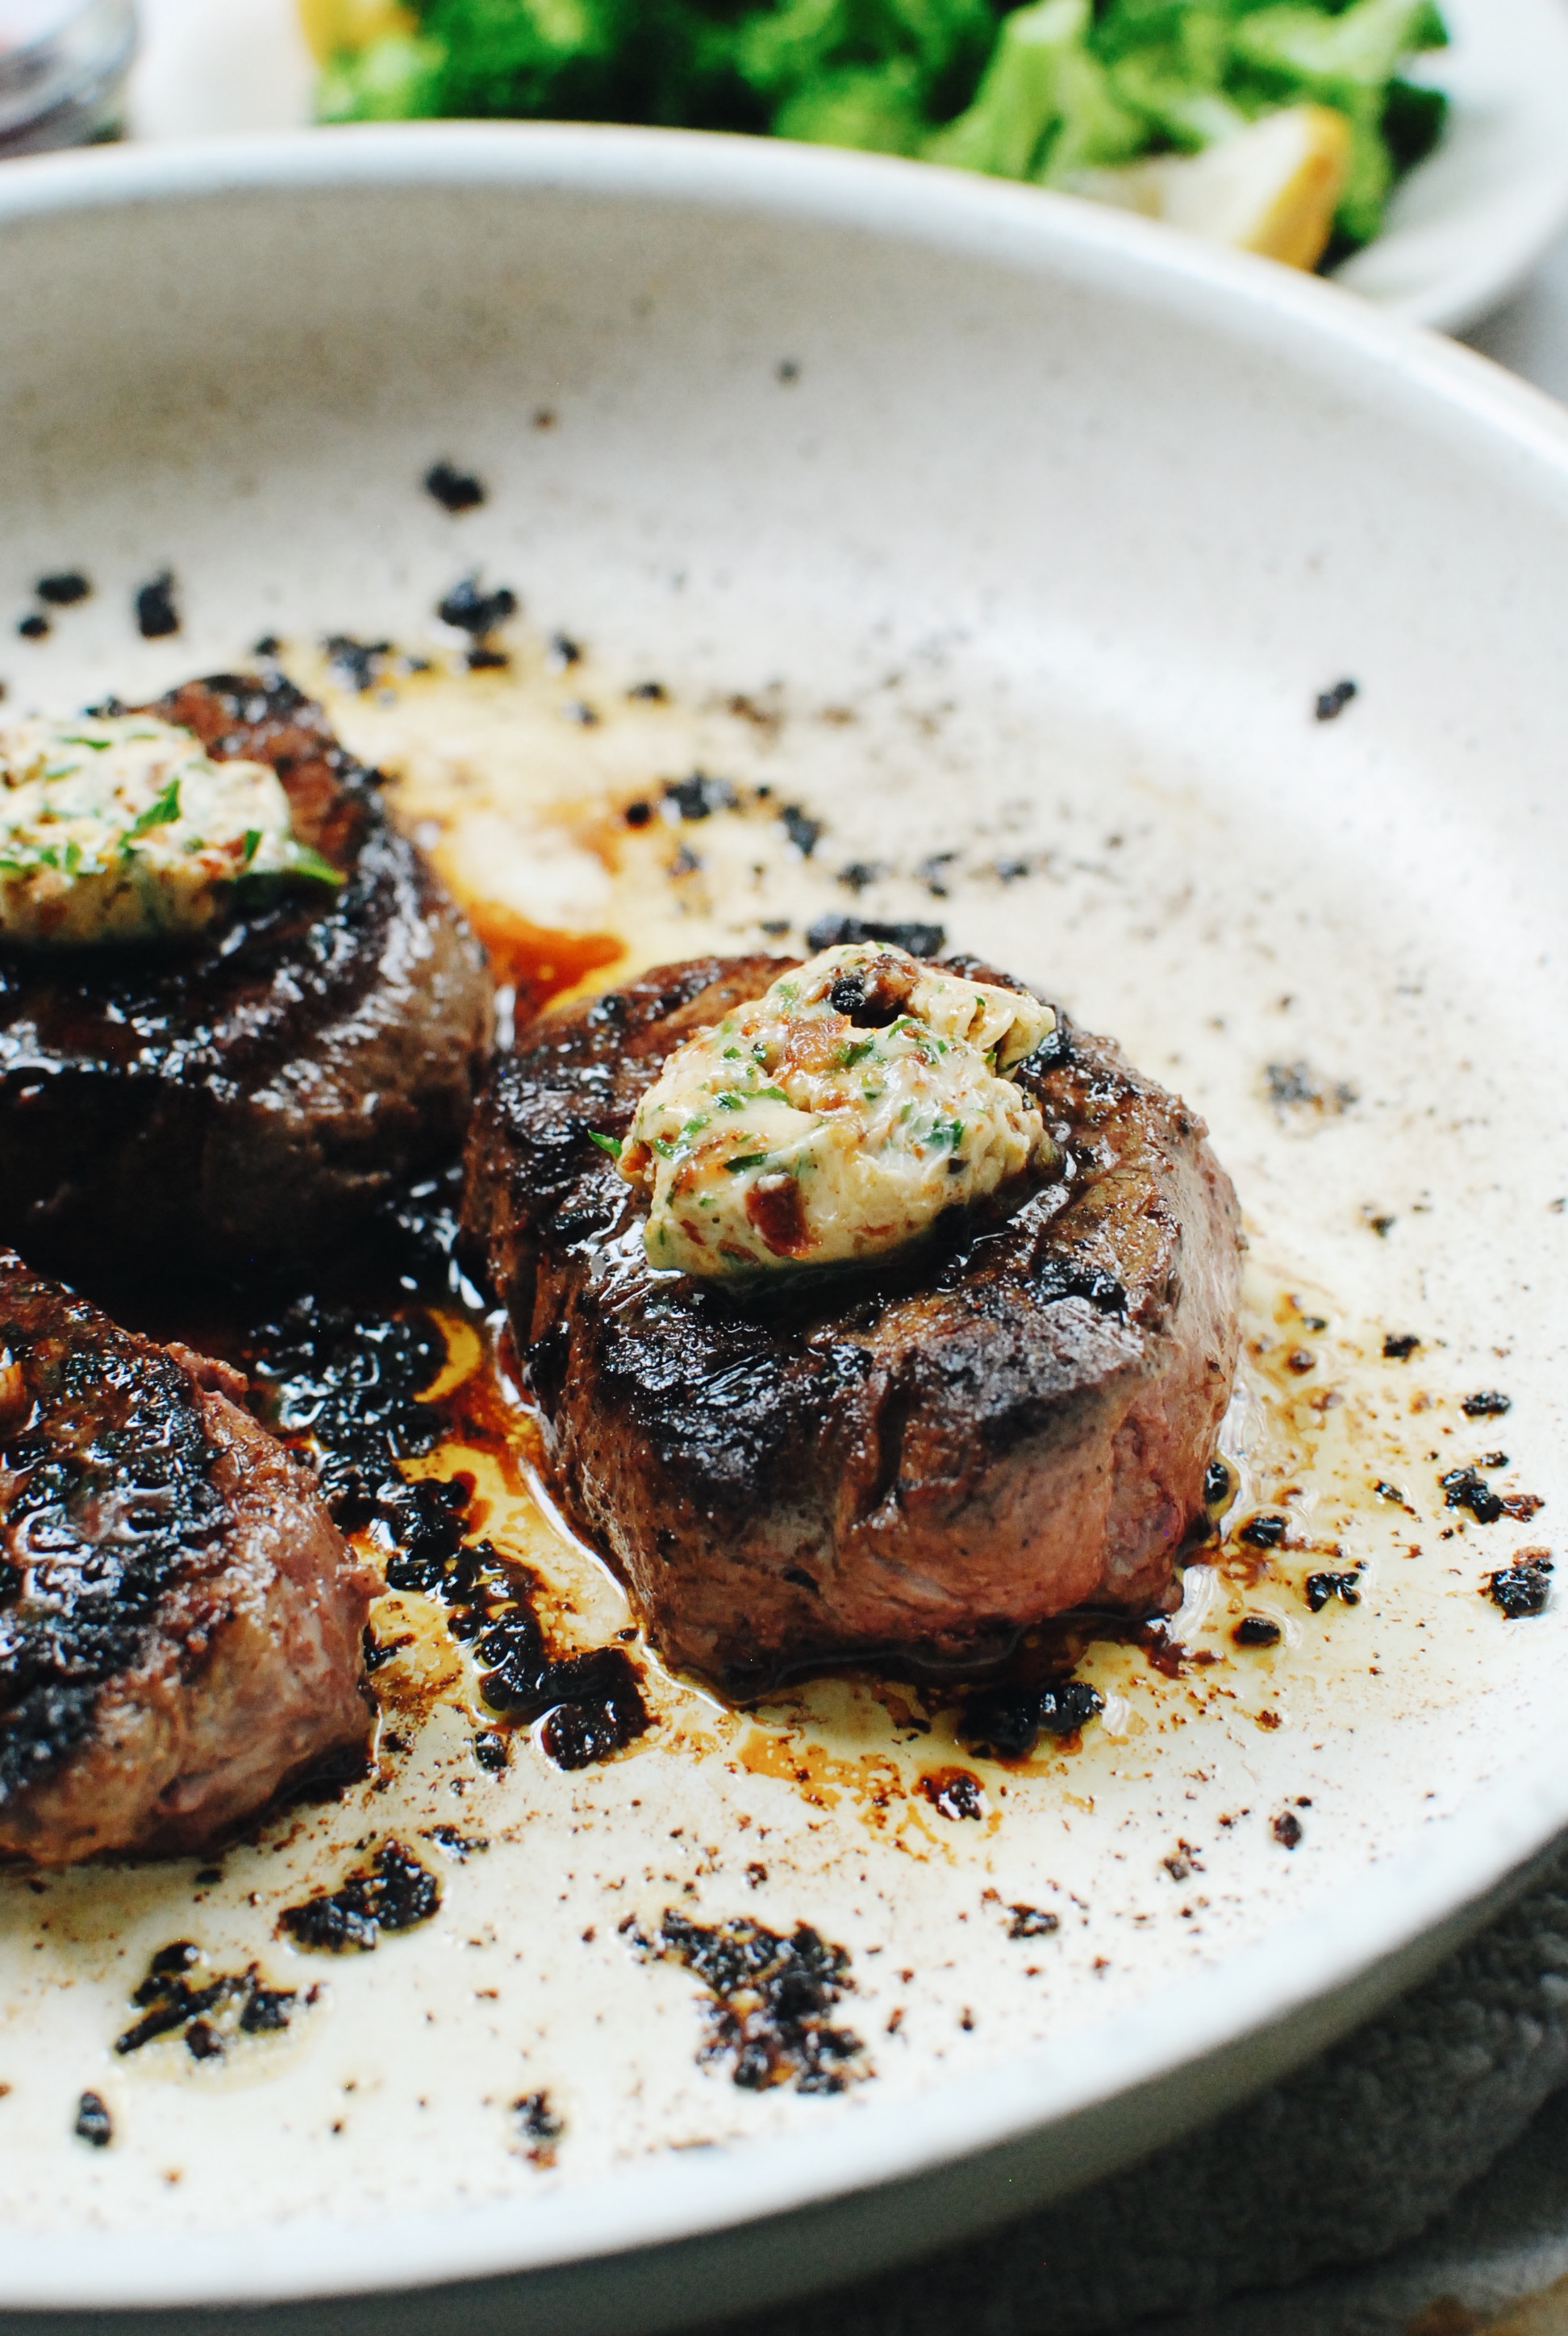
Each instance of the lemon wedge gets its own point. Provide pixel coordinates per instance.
(1273, 188)
(332, 26)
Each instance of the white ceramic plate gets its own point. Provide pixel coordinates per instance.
(979, 524)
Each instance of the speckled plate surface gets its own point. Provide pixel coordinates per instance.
(1010, 548)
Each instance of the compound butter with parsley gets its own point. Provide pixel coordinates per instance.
(116, 828)
(836, 1117)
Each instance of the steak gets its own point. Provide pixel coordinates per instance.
(1008, 1421)
(243, 1102)
(180, 1621)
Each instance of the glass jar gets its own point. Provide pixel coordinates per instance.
(62, 68)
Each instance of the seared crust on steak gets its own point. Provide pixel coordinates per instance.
(1007, 1422)
(242, 1102)
(180, 1621)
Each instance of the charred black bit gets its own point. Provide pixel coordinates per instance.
(539, 2125)
(349, 1383)
(771, 2001)
(171, 2002)
(456, 491)
(1263, 1531)
(157, 612)
(1400, 1345)
(564, 652)
(393, 1893)
(489, 660)
(179, 1957)
(266, 2010)
(34, 628)
(1286, 1829)
(652, 693)
(1001, 1726)
(698, 796)
(93, 2123)
(918, 940)
(1068, 1706)
(1467, 1488)
(858, 873)
(954, 1793)
(576, 1734)
(64, 589)
(593, 1701)
(1521, 1589)
(934, 874)
(638, 815)
(358, 664)
(1333, 702)
(456, 1844)
(1006, 1723)
(1257, 1631)
(491, 1750)
(1387, 1492)
(1299, 1085)
(376, 1653)
(469, 610)
(804, 832)
(1220, 1484)
(1032, 1922)
(1059, 1277)
(109, 1423)
(1487, 1404)
(426, 1519)
(420, 1230)
(1319, 1588)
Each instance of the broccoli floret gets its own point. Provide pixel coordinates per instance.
(1336, 58)
(1018, 102)
(1413, 120)
(1047, 108)
(397, 78)
(902, 62)
(527, 56)
(878, 108)
(1176, 112)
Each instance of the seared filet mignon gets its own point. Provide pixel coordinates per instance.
(242, 1101)
(180, 1621)
(1008, 1421)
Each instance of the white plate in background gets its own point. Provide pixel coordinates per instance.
(1467, 226)
(1463, 232)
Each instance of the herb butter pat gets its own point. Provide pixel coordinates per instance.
(122, 829)
(836, 1117)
